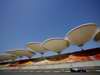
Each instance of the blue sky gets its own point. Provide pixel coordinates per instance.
(23, 21)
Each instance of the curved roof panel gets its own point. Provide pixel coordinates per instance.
(36, 47)
(5, 56)
(81, 34)
(21, 52)
(55, 44)
(97, 35)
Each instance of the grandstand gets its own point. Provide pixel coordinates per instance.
(81, 61)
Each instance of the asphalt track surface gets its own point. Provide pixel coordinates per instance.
(45, 73)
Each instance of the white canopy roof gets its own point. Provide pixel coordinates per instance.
(55, 44)
(21, 52)
(36, 47)
(5, 56)
(97, 35)
(81, 34)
